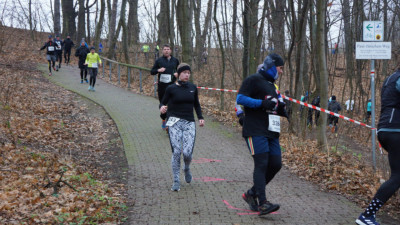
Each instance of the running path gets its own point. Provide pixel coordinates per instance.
(222, 170)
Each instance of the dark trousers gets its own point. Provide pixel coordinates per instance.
(83, 72)
(67, 54)
(93, 75)
(266, 166)
(59, 57)
(390, 142)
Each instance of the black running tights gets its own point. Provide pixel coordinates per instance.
(93, 75)
(83, 71)
(390, 142)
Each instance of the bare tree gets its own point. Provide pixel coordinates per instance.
(221, 47)
(201, 35)
(99, 25)
(111, 32)
(163, 21)
(323, 71)
(57, 23)
(81, 19)
(184, 24)
(133, 22)
(69, 15)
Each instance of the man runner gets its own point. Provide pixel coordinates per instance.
(59, 47)
(165, 67)
(50, 53)
(68, 44)
(261, 128)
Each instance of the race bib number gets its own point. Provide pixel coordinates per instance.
(274, 123)
(50, 48)
(165, 78)
(94, 65)
(171, 121)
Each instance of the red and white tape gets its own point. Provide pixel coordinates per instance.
(217, 89)
(309, 106)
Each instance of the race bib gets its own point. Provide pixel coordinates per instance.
(94, 65)
(171, 121)
(274, 123)
(165, 78)
(50, 48)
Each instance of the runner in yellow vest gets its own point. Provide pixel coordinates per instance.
(93, 61)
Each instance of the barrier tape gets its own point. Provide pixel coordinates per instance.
(217, 89)
(309, 106)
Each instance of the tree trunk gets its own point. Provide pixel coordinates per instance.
(88, 21)
(323, 72)
(57, 23)
(221, 47)
(234, 24)
(172, 26)
(111, 32)
(30, 20)
(163, 22)
(69, 14)
(99, 25)
(184, 24)
(81, 19)
(278, 25)
(133, 22)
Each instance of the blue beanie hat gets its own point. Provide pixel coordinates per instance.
(269, 66)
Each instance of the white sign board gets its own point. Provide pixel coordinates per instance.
(372, 31)
(373, 50)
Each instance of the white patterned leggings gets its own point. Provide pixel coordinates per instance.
(182, 136)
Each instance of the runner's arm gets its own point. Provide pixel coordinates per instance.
(154, 70)
(197, 106)
(398, 85)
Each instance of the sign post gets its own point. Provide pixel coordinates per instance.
(373, 48)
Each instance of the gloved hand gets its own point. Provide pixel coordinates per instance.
(270, 104)
(282, 109)
(238, 110)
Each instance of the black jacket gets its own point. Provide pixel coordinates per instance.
(50, 47)
(169, 65)
(68, 43)
(82, 52)
(390, 103)
(59, 45)
(256, 120)
(334, 106)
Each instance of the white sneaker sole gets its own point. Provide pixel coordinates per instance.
(359, 222)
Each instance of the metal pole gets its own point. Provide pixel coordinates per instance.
(140, 81)
(110, 69)
(373, 136)
(103, 69)
(119, 74)
(129, 77)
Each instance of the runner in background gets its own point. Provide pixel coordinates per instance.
(50, 47)
(334, 106)
(93, 61)
(165, 67)
(59, 49)
(178, 103)
(261, 128)
(366, 120)
(388, 136)
(82, 52)
(68, 44)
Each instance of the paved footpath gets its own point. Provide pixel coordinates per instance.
(222, 170)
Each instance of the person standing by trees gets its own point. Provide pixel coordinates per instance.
(59, 49)
(388, 136)
(177, 104)
(165, 67)
(93, 61)
(261, 129)
(50, 47)
(68, 44)
(82, 52)
(334, 106)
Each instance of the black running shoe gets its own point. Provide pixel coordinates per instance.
(251, 200)
(267, 208)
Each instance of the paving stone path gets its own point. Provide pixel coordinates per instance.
(222, 170)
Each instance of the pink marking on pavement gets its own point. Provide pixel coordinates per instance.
(253, 213)
(204, 160)
(209, 179)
